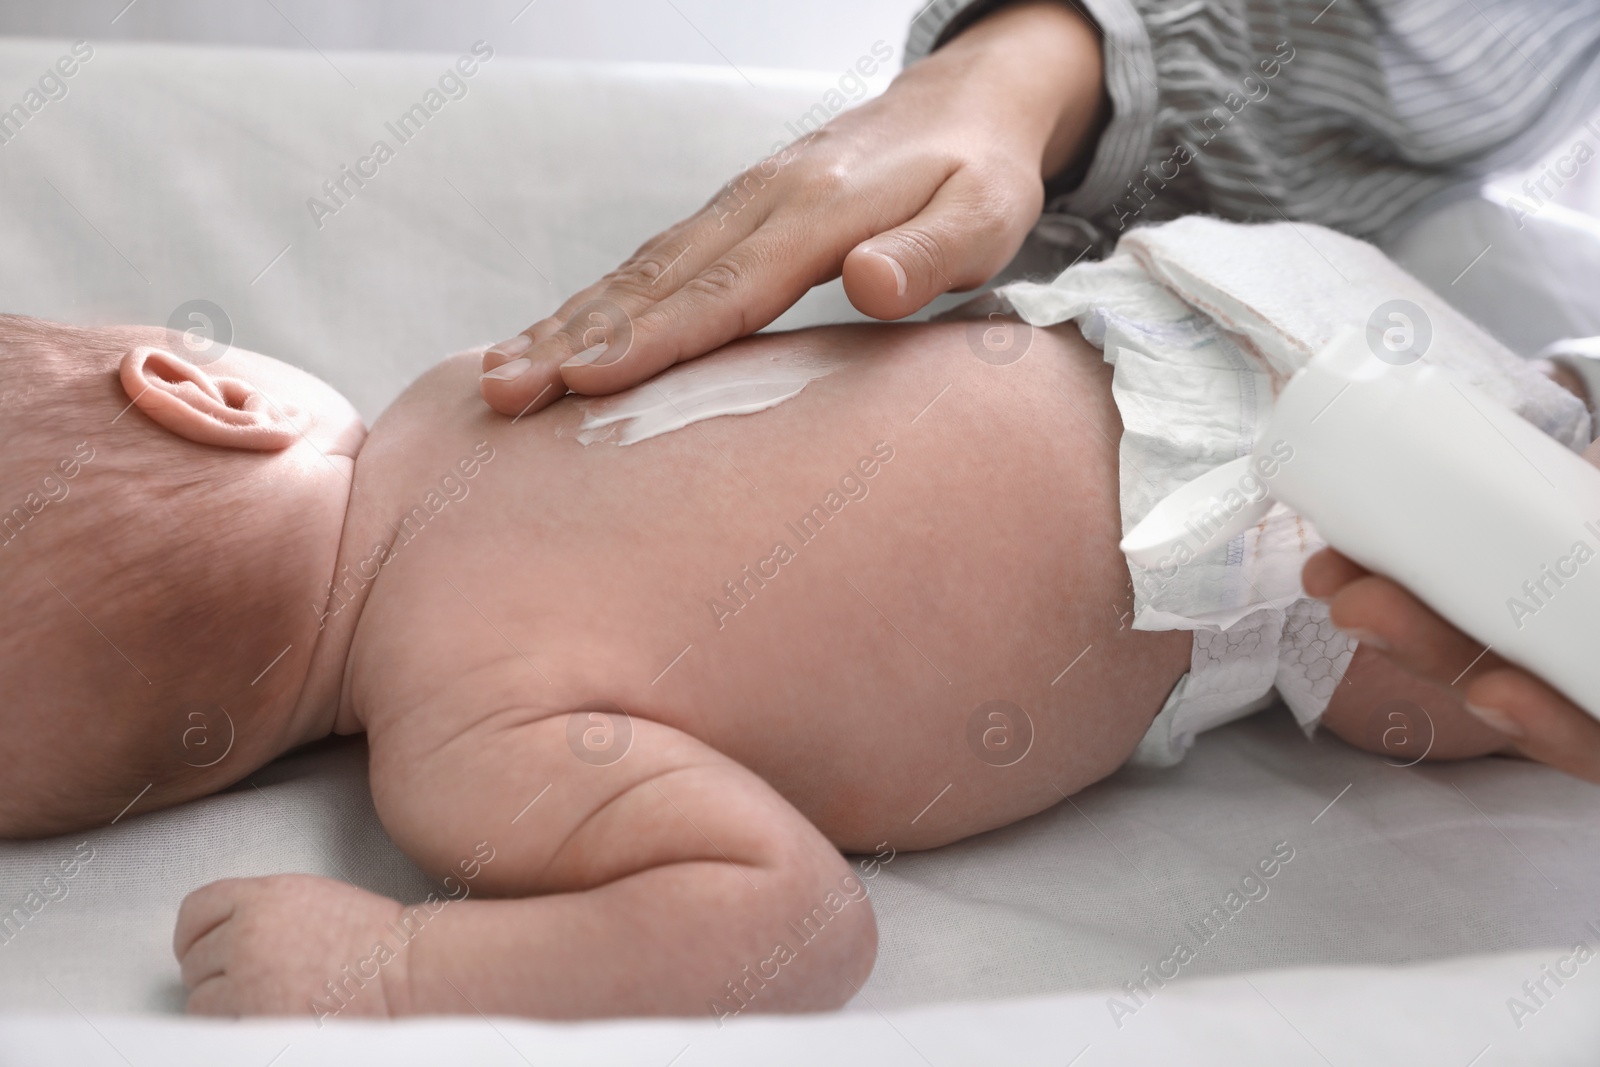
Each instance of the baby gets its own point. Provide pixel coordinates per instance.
(639, 695)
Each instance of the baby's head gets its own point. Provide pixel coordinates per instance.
(167, 524)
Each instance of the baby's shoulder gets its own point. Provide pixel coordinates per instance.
(450, 385)
(435, 422)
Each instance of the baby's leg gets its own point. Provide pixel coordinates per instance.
(671, 881)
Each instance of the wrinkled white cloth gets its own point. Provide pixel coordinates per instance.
(1204, 321)
(1581, 356)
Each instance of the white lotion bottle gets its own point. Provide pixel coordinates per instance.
(1432, 483)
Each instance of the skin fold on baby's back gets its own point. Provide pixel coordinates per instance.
(841, 593)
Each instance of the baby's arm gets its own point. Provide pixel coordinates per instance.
(672, 881)
(669, 875)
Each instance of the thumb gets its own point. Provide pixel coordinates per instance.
(971, 229)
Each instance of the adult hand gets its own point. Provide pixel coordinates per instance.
(1540, 722)
(930, 187)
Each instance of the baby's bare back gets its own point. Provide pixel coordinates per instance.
(900, 588)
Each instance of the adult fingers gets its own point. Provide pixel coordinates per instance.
(516, 385)
(963, 236)
(818, 217)
(523, 374)
(1543, 724)
(1379, 613)
(506, 351)
(738, 294)
(1328, 571)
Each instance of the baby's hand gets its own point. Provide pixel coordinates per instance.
(288, 945)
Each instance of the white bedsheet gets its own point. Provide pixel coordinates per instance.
(173, 174)
(1308, 1018)
(1484, 868)
(1465, 861)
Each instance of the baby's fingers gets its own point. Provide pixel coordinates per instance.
(202, 911)
(207, 957)
(215, 996)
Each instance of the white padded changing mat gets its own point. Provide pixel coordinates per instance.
(171, 174)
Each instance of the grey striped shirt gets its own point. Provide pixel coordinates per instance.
(1350, 113)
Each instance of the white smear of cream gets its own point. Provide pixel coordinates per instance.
(733, 383)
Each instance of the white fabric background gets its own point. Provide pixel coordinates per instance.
(1359, 1017)
(169, 174)
(1408, 865)
(815, 35)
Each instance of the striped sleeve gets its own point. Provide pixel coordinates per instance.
(1348, 113)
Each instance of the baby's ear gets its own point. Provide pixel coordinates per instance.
(190, 402)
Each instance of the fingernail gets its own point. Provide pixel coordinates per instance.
(1497, 720)
(1365, 637)
(588, 356)
(899, 273)
(509, 371)
(514, 346)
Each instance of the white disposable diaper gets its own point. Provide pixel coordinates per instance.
(1204, 321)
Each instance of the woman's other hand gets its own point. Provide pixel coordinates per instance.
(1539, 722)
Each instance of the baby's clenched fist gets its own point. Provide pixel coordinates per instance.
(290, 944)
